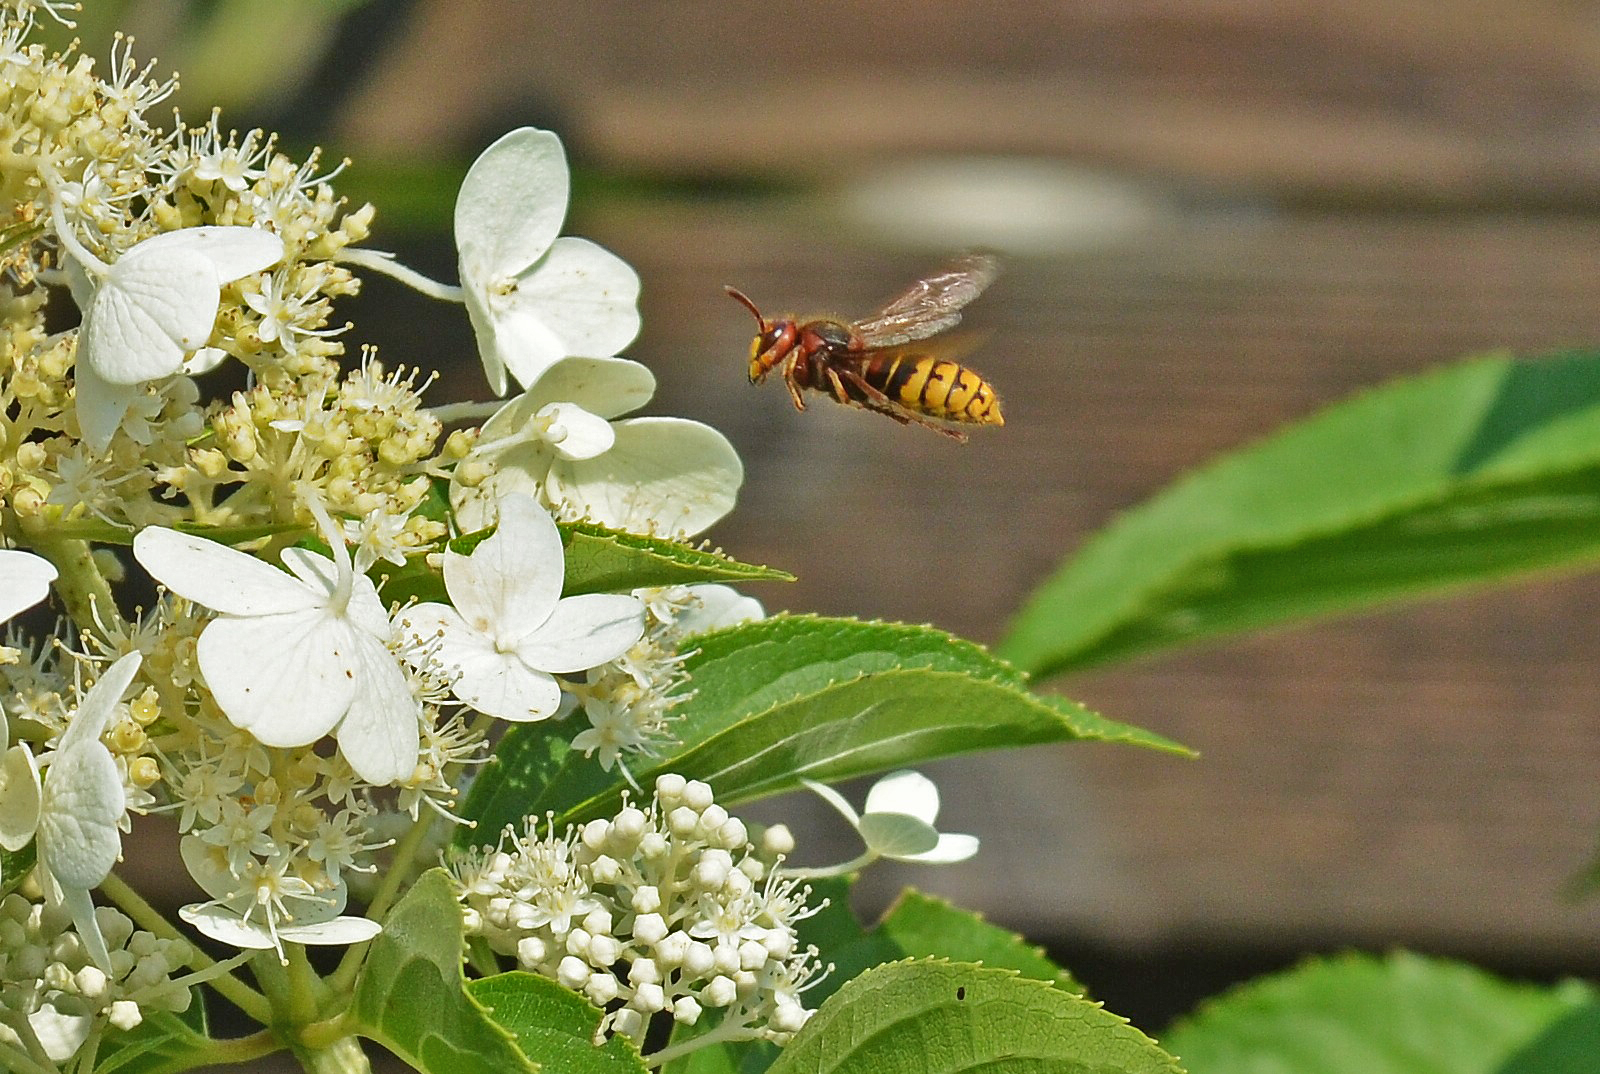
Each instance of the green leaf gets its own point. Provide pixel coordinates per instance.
(553, 1027)
(15, 865)
(412, 997)
(800, 696)
(1476, 473)
(161, 1043)
(936, 1017)
(598, 560)
(1569, 1045)
(1403, 1014)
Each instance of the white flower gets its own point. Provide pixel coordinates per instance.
(534, 298)
(510, 628)
(154, 306)
(266, 908)
(667, 476)
(710, 606)
(24, 581)
(291, 657)
(897, 823)
(80, 807)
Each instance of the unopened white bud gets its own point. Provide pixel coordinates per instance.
(733, 833)
(711, 873)
(644, 971)
(578, 942)
(598, 920)
(630, 825)
(669, 787)
(697, 795)
(595, 832)
(604, 950)
(605, 870)
(686, 1010)
(573, 972)
(649, 998)
(779, 943)
(91, 982)
(720, 992)
(699, 959)
(778, 841)
(788, 1016)
(471, 920)
(601, 988)
(125, 1015)
(752, 955)
(627, 1022)
(683, 822)
(672, 948)
(646, 900)
(649, 928)
(712, 818)
(531, 951)
(726, 956)
(654, 846)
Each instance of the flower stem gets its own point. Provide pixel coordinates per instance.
(81, 586)
(728, 1029)
(379, 261)
(822, 872)
(145, 916)
(233, 1050)
(343, 978)
(343, 1056)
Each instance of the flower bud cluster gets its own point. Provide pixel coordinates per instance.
(47, 976)
(666, 909)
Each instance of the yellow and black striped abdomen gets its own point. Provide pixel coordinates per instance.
(937, 387)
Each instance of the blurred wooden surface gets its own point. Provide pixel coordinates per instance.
(1424, 776)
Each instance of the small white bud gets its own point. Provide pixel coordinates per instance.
(788, 1017)
(752, 955)
(753, 867)
(630, 824)
(726, 956)
(471, 920)
(672, 949)
(699, 959)
(91, 982)
(711, 873)
(605, 870)
(644, 971)
(125, 1015)
(712, 818)
(627, 1022)
(778, 840)
(686, 1010)
(531, 951)
(654, 846)
(697, 795)
(598, 921)
(601, 988)
(649, 929)
(669, 787)
(646, 900)
(779, 943)
(604, 950)
(578, 942)
(595, 832)
(573, 972)
(721, 992)
(649, 998)
(683, 821)
(733, 833)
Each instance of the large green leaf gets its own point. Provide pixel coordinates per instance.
(1467, 475)
(598, 560)
(799, 696)
(937, 1017)
(162, 1042)
(553, 1027)
(1403, 1014)
(412, 997)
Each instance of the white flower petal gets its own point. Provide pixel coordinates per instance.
(607, 387)
(951, 848)
(218, 577)
(99, 405)
(340, 930)
(583, 632)
(511, 203)
(287, 678)
(483, 330)
(81, 907)
(502, 685)
(574, 433)
(61, 1035)
(379, 734)
(895, 835)
(835, 799)
(154, 307)
(670, 475)
(586, 295)
(82, 803)
(204, 360)
(717, 606)
(517, 340)
(94, 711)
(905, 791)
(227, 927)
(512, 580)
(24, 581)
(20, 797)
(232, 251)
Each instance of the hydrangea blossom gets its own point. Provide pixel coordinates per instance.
(24, 581)
(534, 298)
(510, 630)
(896, 823)
(292, 657)
(556, 442)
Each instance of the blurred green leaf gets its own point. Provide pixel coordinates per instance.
(1403, 1014)
(1480, 472)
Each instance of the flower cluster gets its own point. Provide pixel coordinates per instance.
(59, 995)
(668, 908)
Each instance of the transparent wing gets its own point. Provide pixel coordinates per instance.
(930, 305)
